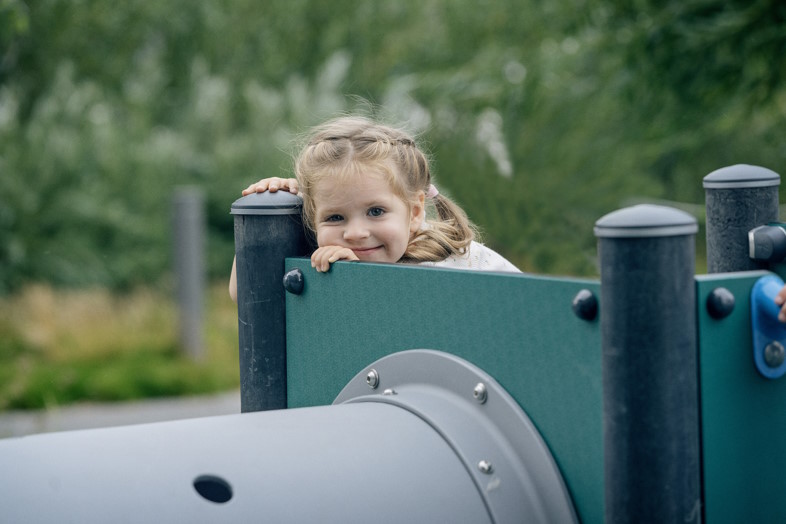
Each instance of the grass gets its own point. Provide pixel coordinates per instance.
(60, 347)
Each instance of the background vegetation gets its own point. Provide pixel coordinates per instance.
(540, 116)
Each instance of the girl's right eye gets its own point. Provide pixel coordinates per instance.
(334, 218)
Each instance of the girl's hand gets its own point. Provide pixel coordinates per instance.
(780, 300)
(273, 184)
(326, 255)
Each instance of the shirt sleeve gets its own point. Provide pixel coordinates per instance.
(477, 258)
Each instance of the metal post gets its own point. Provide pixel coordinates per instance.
(268, 228)
(189, 255)
(651, 424)
(738, 199)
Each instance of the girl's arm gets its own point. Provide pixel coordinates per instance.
(233, 281)
(272, 184)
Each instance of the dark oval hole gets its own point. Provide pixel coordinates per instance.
(214, 489)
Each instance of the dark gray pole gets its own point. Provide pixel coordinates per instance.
(738, 199)
(189, 244)
(268, 228)
(650, 374)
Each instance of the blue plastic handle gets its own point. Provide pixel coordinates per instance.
(767, 329)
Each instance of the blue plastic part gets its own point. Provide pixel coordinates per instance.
(765, 324)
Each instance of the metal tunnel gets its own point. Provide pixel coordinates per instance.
(418, 436)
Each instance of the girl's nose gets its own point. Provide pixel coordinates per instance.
(355, 230)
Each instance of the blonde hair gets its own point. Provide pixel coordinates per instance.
(346, 147)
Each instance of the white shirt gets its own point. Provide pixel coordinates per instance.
(477, 257)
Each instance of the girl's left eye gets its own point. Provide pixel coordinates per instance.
(376, 212)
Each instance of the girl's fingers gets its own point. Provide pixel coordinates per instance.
(257, 187)
(272, 184)
(319, 260)
(324, 256)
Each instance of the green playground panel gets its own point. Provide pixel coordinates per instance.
(522, 331)
(743, 414)
(518, 328)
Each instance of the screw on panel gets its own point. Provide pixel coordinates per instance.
(372, 379)
(774, 354)
(480, 393)
(585, 305)
(485, 467)
(293, 281)
(720, 303)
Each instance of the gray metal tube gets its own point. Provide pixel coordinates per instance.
(268, 228)
(738, 199)
(359, 463)
(426, 448)
(651, 419)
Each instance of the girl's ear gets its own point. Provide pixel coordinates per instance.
(417, 213)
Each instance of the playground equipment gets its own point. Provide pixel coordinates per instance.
(651, 395)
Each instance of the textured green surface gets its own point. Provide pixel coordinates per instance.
(519, 329)
(743, 414)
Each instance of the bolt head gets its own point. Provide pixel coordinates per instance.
(485, 467)
(480, 393)
(585, 305)
(720, 303)
(774, 354)
(294, 282)
(372, 379)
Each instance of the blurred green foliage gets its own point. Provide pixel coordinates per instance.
(63, 346)
(540, 116)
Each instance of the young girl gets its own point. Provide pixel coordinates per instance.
(367, 192)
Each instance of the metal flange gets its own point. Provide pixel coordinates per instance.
(500, 448)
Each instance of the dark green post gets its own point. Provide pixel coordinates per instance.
(738, 199)
(268, 228)
(651, 424)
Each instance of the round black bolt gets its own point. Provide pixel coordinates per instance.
(774, 354)
(720, 303)
(293, 281)
(585, 305)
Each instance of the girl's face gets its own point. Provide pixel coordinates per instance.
(366, 216)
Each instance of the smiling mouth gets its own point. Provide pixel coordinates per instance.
(366, 250)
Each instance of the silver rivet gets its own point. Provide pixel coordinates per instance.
(389, 392)
(774, 354)
(480, 393)
(485, 467)
(372, 379)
